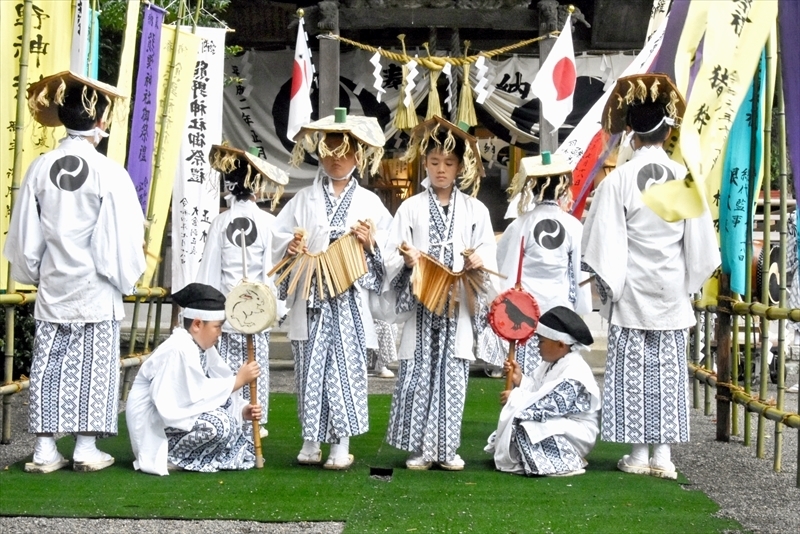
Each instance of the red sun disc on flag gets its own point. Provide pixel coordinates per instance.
(564, 78)
(297, 78)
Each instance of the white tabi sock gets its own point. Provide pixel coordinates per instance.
(310, 448)
(639, 453)
(662, 455)
(339, 451)
(86, 450)
(45, 451)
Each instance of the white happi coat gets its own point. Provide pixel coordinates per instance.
(650, 266)
(551, 266)
(172, 390)
(580, 429)
(77, 231)
(307, 210)
(221, 266)
(472, 230)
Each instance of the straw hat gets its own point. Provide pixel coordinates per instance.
(640, 89)
(366, 131)
(430, 130)
(542, 168)
(262, 178)
(47, 94)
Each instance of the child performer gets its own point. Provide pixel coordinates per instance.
(76, 232)
(436, 350)
(646, 270)
(550, 421)
(330, 334)
(248, 178)
(551, 264)
(183, 409)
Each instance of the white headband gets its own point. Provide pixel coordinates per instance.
(95, 133)
(204, 315)
(669, 121)
(545, 331)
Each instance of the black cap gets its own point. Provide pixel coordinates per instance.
(567, 323)
(201, 301)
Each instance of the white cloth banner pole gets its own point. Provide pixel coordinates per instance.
(195, 195)
(79, 56)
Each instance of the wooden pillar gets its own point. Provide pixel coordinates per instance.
(329, 71)
(548, 140)
(723, 336)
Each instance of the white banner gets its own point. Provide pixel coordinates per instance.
(195, 194)
(79, 57)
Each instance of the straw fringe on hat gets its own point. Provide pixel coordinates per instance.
(540, 169)
(364, 131)
(47, 94)
(428, 131)
(638, 89)
(263, 179)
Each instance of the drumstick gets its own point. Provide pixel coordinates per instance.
(587, 280)
(251, 356)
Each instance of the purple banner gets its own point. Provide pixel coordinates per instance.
(143, 125)
(665, 62)
(789, 22)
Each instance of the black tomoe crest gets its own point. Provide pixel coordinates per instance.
(239, 226)
(69, 173)
(549, 233)
(651, 174)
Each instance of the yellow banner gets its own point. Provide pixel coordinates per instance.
(118, 143)
(49, 47)
(166, 162)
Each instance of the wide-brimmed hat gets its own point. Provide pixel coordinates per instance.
(47, 94)
(640, 89)
(365, 131)
(533, 169)
(430, 131)
(264, 179)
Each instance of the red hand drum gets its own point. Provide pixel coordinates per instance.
(514, 315)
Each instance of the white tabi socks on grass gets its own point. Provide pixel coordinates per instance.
(45, 451)
(339, 451)
(640, 454)
(310, 454)
(87, 453)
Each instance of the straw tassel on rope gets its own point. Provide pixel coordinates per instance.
(466, 107)
(434, 105)
(406, 116)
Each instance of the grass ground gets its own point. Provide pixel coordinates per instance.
(478, 499)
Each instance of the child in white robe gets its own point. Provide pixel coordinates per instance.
(248, 178)
(550, 421)
(183, 409)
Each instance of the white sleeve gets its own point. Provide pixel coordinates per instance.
(25, 245)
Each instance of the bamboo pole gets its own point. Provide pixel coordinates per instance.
(766, 248)
(735, 375)
(19, 126)
(750, 403)
(696, 358)
(709, 364)
(780, 117)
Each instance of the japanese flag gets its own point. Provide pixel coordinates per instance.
(554, 84)
(302, 74)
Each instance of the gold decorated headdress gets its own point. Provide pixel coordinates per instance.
(47, 94)
(639, 89)
(364, 131)
(265, 180)
(429, 131)
(538, 172)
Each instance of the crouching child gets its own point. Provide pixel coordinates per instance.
(550, 421)
(182, 412)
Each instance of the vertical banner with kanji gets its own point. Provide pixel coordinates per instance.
(143, 125)
(49, 47)
(79, 57)
(195, 196)
(170, 123)
(118, 143)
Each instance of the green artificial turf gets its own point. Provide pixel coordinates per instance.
(478, 499)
